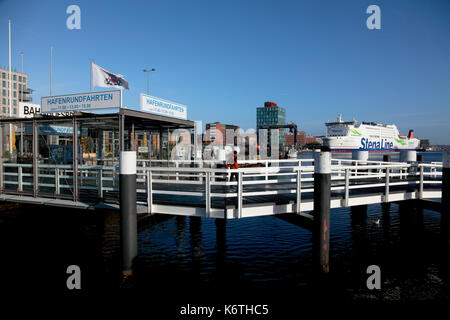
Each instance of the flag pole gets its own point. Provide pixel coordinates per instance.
(92, 61)
(10, 91)
(121, 97)
(51, 69)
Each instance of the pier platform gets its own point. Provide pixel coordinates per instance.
(192, 188)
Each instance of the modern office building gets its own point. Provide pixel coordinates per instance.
(216, 133)
(19, 93)
(271, 113)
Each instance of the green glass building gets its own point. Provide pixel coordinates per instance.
(271, 113)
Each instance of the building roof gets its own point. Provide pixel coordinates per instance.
(139, 118)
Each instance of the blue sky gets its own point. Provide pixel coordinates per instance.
(225, 58)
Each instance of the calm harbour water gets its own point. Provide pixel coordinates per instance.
(179, 256)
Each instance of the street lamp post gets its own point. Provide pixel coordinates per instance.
(148, 78)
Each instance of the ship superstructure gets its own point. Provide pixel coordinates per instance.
(347, 136)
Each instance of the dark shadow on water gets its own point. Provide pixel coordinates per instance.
(193, 259)
(39, 245)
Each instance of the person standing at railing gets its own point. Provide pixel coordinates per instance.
(234, 166)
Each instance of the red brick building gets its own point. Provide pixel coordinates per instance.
(301, 138)
(216, 133)
(311, 139)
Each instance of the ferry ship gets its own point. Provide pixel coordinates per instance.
(347, 136)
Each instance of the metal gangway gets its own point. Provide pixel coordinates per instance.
(204, 189)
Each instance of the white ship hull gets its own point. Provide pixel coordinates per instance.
(366, 144)
(348, 136)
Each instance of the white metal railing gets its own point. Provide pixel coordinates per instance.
(58, 177)
(279, 175)
(208, 182)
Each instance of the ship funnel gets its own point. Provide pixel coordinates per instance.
(411, 134)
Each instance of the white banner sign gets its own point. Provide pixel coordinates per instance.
(163, 107)
(82, 101)
(29, 110)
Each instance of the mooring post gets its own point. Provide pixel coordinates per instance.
(128, 218)
(446, 191)
(420, 159)
(410, 157)
(361, 157)
(322, 196)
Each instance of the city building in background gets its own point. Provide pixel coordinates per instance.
(216, 133)
(20, 91)
(271, 114)
(424, 143)
(311, 140)
(301, 139)
(248, 141)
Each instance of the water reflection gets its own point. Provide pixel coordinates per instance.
(108, 228)
(360, 249)
(181, 237)
(221, 248)
(179, 254)
(386, 221)
(195, 236)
